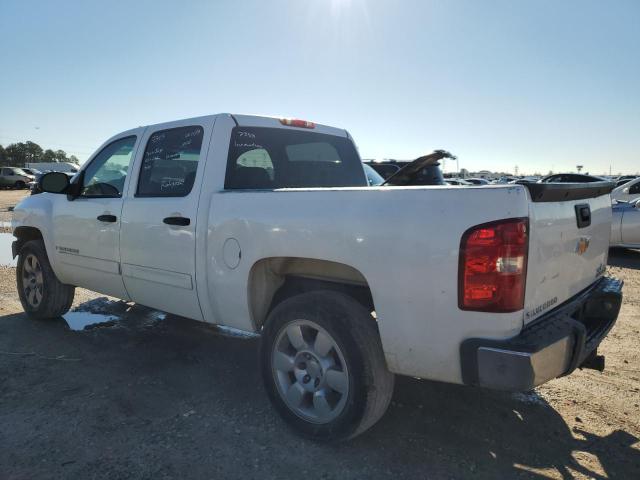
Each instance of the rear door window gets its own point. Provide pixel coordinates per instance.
(267, 158)
(170, 162)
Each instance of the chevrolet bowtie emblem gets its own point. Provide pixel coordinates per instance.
(583, 245)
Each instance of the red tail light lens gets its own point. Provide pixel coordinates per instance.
(294, 122)
(493, 266)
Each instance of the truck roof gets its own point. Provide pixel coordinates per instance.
(244, 120)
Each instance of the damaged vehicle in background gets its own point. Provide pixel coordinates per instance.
(263, 224)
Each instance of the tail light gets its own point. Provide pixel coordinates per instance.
(294, 122)
(493, 266)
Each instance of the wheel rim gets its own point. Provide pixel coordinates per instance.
(32, 281)
(310, 371)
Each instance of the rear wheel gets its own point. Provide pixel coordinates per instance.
(323, 365)
(41, 293)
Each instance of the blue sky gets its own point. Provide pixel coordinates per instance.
(540, 84)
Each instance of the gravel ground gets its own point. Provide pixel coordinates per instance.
(8, 198)
(153, 397)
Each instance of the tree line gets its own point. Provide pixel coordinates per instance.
(17, 154)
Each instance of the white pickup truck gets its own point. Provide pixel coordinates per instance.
(268, 225)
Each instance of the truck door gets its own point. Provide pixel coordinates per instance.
(158, 236)
(86, 231)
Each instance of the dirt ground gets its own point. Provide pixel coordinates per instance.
(147, 397)
(8, 198)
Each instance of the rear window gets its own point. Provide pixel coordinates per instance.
(267, 158)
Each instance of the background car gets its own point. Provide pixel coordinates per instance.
(570, 178)
(524, 180)
(385, 168)
(32, 171)
(502, 180)
(627, 192)
(478, 181)
(625, 225)
(624, 179)
(14, 177)
(373, 177)
(458, 182)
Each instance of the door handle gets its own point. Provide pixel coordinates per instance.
(182, 221)
(107, 218)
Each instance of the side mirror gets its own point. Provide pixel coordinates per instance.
(54, 182)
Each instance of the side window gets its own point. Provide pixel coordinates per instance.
(635, 188)
(170, 162)
(105, 175)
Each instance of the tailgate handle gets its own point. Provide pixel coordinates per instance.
(583, 215)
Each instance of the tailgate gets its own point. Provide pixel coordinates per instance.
(569, 229)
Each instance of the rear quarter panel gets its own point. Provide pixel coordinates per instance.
(404, 241)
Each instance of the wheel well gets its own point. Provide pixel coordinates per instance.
(24, 235)
(275, 279)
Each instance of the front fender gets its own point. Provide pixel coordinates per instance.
(35, 211)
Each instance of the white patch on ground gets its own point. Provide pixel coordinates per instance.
(150, 319)
(234, 332)
(531, 398)
(81, 320)
(6, 239)
(157, 316)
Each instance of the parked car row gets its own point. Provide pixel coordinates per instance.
(625, 226)
(13, 177)
(29, 177)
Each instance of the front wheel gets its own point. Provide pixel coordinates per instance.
(19, 185)
(323, 365)
(41, 293)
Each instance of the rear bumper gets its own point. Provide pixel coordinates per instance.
(554, 345)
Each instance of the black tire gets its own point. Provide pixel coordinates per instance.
(356, 334)
(55, 297)
(19, 185)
